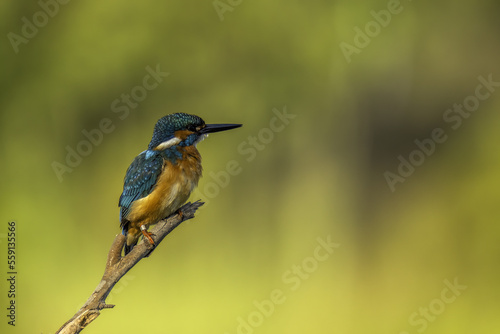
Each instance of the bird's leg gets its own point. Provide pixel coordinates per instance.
(180, 213)
(147, 235)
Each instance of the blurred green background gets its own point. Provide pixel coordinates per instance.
(360, 83)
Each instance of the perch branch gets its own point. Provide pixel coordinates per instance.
(117, 266)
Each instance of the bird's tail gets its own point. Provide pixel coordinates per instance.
(129, 244)
(128, 248)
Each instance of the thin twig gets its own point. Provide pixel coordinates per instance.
(117, 266)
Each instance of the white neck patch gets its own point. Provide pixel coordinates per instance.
(200, 138)
(169, 143)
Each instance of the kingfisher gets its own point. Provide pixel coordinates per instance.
(160, 179)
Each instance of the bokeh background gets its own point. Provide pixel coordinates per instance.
(320, 174)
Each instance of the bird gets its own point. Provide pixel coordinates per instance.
(160, 179)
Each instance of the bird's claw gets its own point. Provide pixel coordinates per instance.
(180, 213)
(147, 235)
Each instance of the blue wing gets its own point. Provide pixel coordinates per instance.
(140, 180)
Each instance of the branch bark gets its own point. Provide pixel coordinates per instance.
(117, 266)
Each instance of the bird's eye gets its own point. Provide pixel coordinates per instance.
(191, 128)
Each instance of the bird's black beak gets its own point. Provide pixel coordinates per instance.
(209, 128)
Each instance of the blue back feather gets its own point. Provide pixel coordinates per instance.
(139, 180)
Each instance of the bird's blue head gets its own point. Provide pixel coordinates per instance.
(182, 129)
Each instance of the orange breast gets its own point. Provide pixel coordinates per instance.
(171, 191)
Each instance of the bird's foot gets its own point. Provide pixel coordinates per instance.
(147, 235)
(180, 213)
